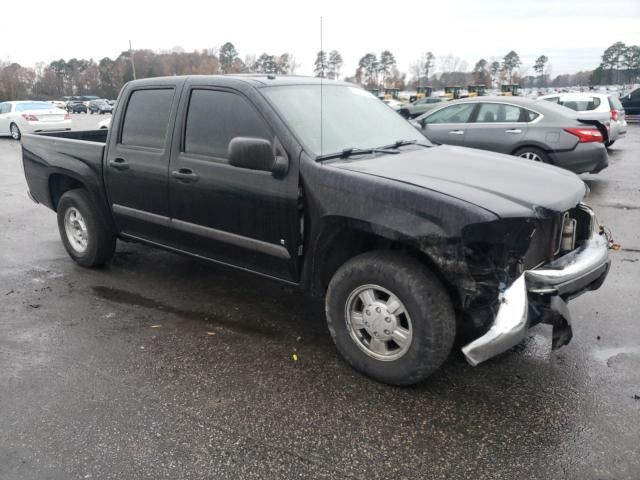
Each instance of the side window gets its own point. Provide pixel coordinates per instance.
(5, 108)
(530, 116)
(147, 118)
(214, 118)
(498, 112)
(581, 105)
(553, 99)
(635, 95)
(454, 114)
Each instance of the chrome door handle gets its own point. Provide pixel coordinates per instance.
(514, 130)
(456, 132)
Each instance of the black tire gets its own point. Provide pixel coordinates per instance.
(101, 240)
(16, 134)
(522, 152)
(608, 144)
(427, 303)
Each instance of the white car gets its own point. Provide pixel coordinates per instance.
(59, 104)
(393, 103)
(17, 118)
(604, 107)
(105, 123)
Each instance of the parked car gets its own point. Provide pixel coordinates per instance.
(21, 117)
(535, 130)
(398, 236)
(76, 106)
(393, 103)
(421, 106)
(59, 104)
(603, 107)
(100, 106)
(104, 123)
(631, 105)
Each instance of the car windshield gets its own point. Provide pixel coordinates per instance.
(352, 118)
(23, 107)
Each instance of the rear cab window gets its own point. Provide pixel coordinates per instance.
(147, 118)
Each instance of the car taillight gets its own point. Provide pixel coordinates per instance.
(67, 116)
(29, 118)
(614, 115)
(586, 135)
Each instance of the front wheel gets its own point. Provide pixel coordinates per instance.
(86, 236)
(390, 317)
(16, 134)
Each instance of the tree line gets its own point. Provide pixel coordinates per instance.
(619, 64)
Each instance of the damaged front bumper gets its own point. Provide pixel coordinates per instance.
(551, 285)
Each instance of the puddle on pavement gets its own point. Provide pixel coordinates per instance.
(604, 355)
(133, 299)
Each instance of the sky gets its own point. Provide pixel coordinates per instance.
(572, 33)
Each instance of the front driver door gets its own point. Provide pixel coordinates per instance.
(245, 218)
(448, 125)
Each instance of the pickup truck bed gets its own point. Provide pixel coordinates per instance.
(72, 154)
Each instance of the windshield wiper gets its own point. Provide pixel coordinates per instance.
(348, 152)
(402, 143)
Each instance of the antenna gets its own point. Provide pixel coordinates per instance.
(133, 63)
(321, 82)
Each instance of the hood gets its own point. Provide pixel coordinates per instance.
(503, 184)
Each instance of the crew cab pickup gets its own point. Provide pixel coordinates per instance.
(320, 185)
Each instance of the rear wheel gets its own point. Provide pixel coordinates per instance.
(88, 239)
(533, 153)
(390, 317)
(16, 134)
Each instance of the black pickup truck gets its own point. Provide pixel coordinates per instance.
(322, 186)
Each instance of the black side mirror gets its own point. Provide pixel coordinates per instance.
(255, 154)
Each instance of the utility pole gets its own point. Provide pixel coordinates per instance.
(133, 64)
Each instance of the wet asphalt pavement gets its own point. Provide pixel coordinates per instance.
(161, 366)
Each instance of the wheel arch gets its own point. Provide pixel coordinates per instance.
(59, 184)
(342, 239)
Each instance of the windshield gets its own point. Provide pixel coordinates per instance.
(23, 107)
(352, 118)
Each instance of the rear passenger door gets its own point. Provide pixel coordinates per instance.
(498, 127)
(448, 125)
(137, 160)
(246, 218)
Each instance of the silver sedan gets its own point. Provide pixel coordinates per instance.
(539, 131)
